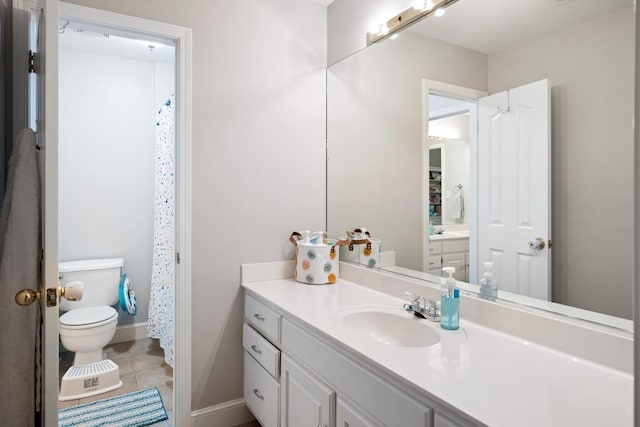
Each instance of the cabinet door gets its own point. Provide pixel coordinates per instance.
(442, 421)
(348, 416)
(305, 401)
(458, 261)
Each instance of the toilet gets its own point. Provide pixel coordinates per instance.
(89, 324)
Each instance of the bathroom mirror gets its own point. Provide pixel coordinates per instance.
(392, 104)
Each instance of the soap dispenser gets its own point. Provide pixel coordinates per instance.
(488, 288)
(450, 302)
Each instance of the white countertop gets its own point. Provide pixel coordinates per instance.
(498, 379)
(450, 235)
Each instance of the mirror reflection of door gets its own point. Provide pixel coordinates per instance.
(514, 210)
(513, 204)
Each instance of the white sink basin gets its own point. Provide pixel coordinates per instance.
(390, 325)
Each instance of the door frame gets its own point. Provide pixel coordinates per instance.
(472, 96)
(182, 37)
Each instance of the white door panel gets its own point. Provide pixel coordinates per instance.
(513, 185)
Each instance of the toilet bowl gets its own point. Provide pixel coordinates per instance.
(86, 331)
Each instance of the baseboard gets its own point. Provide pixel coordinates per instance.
(227, 414)
(132, 332)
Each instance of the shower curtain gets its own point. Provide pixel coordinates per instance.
(162, 297)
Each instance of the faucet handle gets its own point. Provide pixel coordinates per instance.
(433, 308)
(415, 298)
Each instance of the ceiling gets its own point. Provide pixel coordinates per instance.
(492, 25)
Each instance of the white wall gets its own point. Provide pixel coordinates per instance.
(592, 154)
(375, 140)
(258, 156)
(107, 161)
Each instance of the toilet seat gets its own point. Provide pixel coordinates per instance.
(89, 317)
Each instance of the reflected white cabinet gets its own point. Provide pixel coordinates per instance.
(458, 261)
(305, 400)
(449, 253)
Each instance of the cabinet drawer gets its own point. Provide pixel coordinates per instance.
(435, 247)
(262, 350)
(262, 318)
(261, 393)
(457, 245)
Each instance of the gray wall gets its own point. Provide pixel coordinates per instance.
(375, 143)
(592, 154)
(107, 121)
(258, 156)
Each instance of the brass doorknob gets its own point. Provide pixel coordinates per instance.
(27, 297)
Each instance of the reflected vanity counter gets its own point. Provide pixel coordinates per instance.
(502, 368)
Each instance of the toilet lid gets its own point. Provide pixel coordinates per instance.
(88, 316)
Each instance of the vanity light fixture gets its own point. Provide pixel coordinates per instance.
(419, 4)
(417, 11)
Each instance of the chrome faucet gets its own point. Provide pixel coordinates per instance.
(427, 310)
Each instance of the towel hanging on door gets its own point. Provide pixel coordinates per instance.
(458, 203)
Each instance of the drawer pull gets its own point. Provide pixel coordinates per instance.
(256, 349)
(257, 393)
(259, 317)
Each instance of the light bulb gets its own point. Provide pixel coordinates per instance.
(439, 12)
(419, 4)
(384, 30)
(395, 36)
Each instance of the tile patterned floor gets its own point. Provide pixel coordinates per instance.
(141, 365)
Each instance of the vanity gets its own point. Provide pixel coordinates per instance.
(349, 355)
(449, 249)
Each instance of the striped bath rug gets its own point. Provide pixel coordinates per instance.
(137, 409)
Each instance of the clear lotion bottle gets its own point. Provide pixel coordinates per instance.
(488, 288)
(450, 302)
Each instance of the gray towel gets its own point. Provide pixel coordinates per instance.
(19, 268)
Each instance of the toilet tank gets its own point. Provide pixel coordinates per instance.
(101, 279)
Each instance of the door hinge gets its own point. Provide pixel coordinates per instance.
(177, 257)
(33, 62)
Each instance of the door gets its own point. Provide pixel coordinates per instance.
(305, 401)
(48, 108)
(514, 188)
(36, 29)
